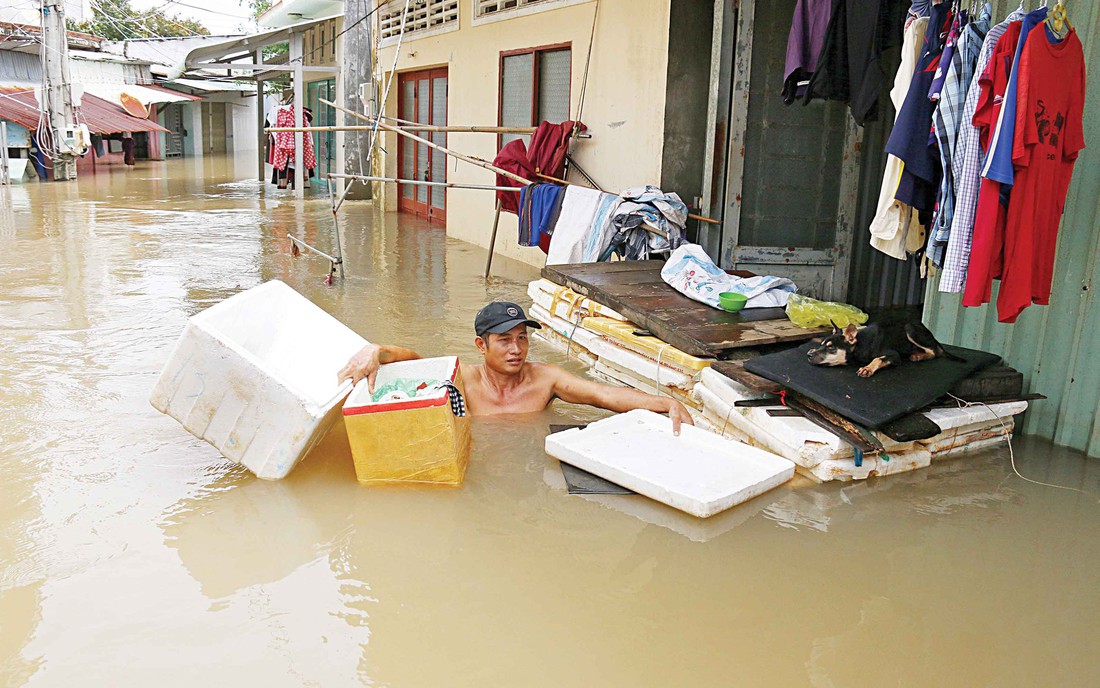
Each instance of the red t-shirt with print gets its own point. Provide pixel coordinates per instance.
(1049, 135)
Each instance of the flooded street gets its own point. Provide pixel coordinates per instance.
(131, 553)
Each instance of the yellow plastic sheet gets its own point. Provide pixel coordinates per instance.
(806, 312)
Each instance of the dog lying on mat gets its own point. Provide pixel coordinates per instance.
(877, 346)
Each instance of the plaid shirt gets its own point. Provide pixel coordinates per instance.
(967, 168)
(945, 124)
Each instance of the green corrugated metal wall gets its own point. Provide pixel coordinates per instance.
(1057, 347)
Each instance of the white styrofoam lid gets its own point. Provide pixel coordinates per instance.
(698, 472)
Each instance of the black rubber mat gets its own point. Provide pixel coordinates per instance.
(874, 401)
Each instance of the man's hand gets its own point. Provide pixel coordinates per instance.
(679, 415)
(364, 364)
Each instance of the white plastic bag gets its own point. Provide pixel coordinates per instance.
(691, 272)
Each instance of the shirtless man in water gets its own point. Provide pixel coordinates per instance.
(507, 383)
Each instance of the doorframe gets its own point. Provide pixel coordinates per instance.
(413, 206)
(733, 254)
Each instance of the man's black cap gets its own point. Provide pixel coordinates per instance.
(499, 317)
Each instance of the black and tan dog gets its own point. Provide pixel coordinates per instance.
(877, 346)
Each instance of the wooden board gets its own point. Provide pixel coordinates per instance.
(635, 289)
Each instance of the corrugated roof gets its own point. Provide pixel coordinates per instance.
(17, 104)
(147, 94)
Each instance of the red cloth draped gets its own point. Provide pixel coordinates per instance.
(546, 155)
(284, 142)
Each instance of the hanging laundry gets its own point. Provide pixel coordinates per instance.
(284, 142)
(990, 215)
(938, 79)
(967, 166)
(540, 205)
(849, 68)
(998, 165)
(945, 125)
(808, 26)
(641, 207)
(895, 229)
(583, 228)
(909, 137)
(1050, 103)
(545, 155)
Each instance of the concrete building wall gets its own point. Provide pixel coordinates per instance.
(687, 97)
(624, 106)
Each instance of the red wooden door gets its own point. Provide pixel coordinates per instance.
(422, 98)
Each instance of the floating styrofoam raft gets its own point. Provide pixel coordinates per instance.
(622, 334)
(697, 472)
(609, 371)
(824, 456)
(255, 376)
(566, 303)
(563, 345)
(569, 330)
(604, 350)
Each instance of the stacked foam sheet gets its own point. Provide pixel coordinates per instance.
(600, 337)
(823, 456)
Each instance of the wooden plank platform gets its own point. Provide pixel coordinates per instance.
(636, 290)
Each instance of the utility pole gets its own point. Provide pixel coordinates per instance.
(58, 94)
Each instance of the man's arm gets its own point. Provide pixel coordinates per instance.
(365, 364)
(572, 389)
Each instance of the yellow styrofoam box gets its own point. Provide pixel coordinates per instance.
(622, 333)
(417, 440)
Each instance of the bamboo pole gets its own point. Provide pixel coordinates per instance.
(492, 241)
(465, 158)
(449, 185)
(414, 126)
(417, 127)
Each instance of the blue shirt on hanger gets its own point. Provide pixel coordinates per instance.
(998, 164)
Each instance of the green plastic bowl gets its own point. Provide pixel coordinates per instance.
(732, 301)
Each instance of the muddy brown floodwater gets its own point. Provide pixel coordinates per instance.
(131, 553)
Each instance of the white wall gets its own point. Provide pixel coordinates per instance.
(624, 104)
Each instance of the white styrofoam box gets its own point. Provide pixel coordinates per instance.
(951, 418)
(570, 331)
(608, 370)
(255, 376)
(796, 439)
(603, 349)
(559, 343)
(697, 472)
(541, 292)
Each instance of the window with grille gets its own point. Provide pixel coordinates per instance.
(485, 8)
(425, 15)
(534, 87)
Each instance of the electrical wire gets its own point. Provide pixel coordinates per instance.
(357, 22)
(203, 9)
(1011, 453)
